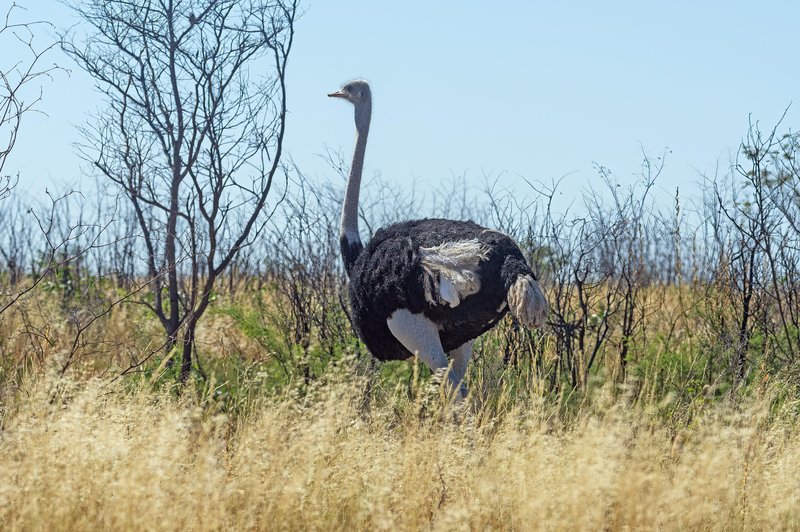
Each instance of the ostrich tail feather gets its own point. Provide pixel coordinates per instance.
(527, 301)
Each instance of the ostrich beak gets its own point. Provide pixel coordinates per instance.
(337, 94)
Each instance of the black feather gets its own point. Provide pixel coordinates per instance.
(386, 275)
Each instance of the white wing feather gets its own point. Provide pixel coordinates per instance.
(451, 270)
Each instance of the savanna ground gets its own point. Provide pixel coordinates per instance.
(273, 435)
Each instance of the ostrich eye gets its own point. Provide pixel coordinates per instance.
(360, 94)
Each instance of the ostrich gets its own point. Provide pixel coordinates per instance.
(429, 287)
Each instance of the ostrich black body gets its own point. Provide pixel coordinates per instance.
(387, 275)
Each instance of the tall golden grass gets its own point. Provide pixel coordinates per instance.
(86, 451)
(102, 455)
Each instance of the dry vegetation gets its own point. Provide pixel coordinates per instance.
(88, 455)
(663, 392)
(374, 448)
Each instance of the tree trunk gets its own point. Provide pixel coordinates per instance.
(188, 346)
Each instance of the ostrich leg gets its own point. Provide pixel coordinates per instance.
(460, 358)
(420, 336)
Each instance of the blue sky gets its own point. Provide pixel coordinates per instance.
(533, 89)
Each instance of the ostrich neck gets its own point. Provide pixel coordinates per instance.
(349, 225)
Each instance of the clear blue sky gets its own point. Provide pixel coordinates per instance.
(537, 89)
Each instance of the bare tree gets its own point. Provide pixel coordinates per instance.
(52, 239)
(192, 136)
(18, 82)
(16, 241)
(758, 231)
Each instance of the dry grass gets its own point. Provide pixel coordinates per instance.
(81, 452)
(94, 455)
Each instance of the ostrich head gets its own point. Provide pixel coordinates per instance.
(357, 92)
